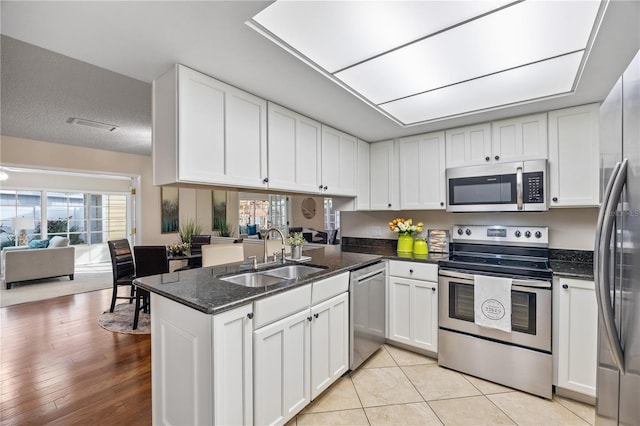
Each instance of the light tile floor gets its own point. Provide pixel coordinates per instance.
(398, 387)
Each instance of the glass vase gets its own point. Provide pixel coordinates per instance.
(405, 243)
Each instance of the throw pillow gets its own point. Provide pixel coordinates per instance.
(38, 244)
(252, 229)
(58, 241)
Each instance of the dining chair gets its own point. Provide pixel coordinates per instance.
(150, 260)
(219, 254)
(123, 267)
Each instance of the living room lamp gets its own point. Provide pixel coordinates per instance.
(22, 224)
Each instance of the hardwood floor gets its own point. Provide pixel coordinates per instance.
(58, 366)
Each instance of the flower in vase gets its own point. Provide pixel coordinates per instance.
(405, 226)
(296, 240)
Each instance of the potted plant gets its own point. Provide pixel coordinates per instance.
(296, 241)
(405, 229)
(187, 229)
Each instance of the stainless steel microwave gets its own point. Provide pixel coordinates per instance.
(502, 187)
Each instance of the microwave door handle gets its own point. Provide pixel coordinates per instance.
(519, 195)
(606, 221)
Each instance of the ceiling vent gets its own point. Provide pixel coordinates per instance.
(92, 124)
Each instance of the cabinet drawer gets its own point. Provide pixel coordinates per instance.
(327, 288)
(415, 270)
(281, 305)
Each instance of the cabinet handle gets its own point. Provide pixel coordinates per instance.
(441, 204)
(309, 318)
(316, 315)
(497, 157)
(250, 315)
(389, 205)
(265, 180)
(326, 187)
(433, 288)
(555, 199)
(411, 271)
(487, 158)
(565, 286)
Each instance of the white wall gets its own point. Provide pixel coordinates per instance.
(568, 228)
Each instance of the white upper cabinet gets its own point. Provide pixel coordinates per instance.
(205, 131)
(467, 146)
(519, 139)
(339, 163)
(574, 157)
(383, 171)
(422, 172)
(364, 194)
(294, 151)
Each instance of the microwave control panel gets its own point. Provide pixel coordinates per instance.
(533, 188)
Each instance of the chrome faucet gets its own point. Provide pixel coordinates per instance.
(266, 238)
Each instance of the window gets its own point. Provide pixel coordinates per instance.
(84, 218)
(331, 217)
(19, 204)
(266, 211)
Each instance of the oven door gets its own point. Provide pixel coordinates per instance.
(530, 310)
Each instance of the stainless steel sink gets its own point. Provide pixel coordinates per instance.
(271, 276)
(253, 279)
(293, 271)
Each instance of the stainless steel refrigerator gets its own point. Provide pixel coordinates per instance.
(617, 254)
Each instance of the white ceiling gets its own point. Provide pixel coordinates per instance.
(114, 50)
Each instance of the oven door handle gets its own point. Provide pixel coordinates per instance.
(519, 190)
(515, 281)
(602, 251)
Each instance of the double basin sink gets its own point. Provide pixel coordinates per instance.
(271, 276)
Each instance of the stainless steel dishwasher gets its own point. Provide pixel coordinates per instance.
(367, 319)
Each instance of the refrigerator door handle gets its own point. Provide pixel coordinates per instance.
(606, 220)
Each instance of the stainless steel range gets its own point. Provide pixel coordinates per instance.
(495, 306)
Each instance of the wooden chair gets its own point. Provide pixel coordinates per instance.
(150, 260)
(123, 267)
(219, 254)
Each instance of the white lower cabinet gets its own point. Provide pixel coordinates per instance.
(576, 329)
(281, 374)
(299, 356)
(201, 365)
(413, 305)
(329, 342)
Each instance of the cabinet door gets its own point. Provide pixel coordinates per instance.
(364, 190)
(294, 151)
(574, 157)
(422, 172)
(233, 367)
(382, 172)
(413, 313)
(577, 328)
(520, 138)
(339, 162)
(245, 139)
(329, 342)
(281, 369)
(201, 133)
(181, 357)
(468, 146)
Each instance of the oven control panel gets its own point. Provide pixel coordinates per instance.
(497, 234)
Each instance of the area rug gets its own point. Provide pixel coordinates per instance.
(121, 320)
(86, 278)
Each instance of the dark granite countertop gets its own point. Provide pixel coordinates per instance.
(203, 290)
(391, 254)
(582, 270)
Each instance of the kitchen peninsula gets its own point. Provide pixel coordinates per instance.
(219, 348)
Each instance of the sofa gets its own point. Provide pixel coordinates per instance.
(24, 263)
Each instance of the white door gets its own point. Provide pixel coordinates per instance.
(245, 139)
(520, 138)
(422, 172)
(201, 137)
(233, 367)
(329, 342)
(364, 190)
(468, 146)
(383, 182)
(339, 162)
(281, 369)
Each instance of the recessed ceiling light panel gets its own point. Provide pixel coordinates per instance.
(418, 61)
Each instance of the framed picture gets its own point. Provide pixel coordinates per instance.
(219, 209)
(169, 209)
